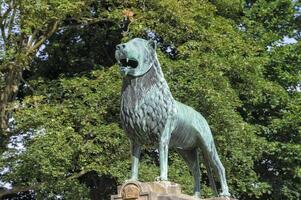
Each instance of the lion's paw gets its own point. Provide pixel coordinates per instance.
(159, 178)
(131, 179)
(225, 195)
(197, 195)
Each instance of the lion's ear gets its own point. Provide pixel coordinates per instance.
(152, 44)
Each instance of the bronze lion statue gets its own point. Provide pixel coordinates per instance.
(150, 115)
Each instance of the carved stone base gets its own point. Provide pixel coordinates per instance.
(164, 190)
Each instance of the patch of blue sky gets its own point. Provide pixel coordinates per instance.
(289, 40)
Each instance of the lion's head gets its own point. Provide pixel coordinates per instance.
(136, 57)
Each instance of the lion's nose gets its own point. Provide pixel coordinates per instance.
(120, 46)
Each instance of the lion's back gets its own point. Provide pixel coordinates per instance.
(190, 125)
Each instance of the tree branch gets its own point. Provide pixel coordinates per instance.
(11, 24)
(14, 190)
(25, 82)
(44, 37)
(31, 39)
(89, 21)
(5, 14)
(84, 22)
(3, 33)
(6, 21)
(81, 173)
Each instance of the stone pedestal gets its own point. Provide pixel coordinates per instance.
(163, 190)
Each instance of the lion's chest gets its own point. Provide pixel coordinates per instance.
(144, 113)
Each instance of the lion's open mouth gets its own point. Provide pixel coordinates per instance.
(129, 63)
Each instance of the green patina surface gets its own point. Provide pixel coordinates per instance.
(150, 115)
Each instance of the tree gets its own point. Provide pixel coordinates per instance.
(216, 59)
(276, 111)
(25, 26)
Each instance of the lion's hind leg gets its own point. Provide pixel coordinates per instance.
(192, 160)
(211, 154)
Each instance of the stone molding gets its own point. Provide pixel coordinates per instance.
(160, 190)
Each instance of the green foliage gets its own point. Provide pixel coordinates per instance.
(223, 68)
(75, 131)
(269, 21)
(37, 15)
(24, 27)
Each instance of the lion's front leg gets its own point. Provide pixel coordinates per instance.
(135, 151)
(163, 150)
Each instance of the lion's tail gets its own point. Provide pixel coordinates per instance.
(210, 175)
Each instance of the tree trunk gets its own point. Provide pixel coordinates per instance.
(8, 92)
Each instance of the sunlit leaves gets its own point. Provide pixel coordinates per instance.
(222, 68)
